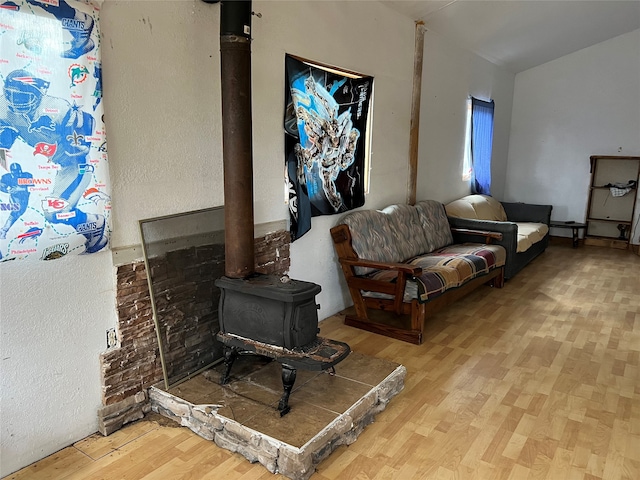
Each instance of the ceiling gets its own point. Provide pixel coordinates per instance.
(521, 34)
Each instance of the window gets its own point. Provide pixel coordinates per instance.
(478, 145)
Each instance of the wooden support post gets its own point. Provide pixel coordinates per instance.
(414, 134)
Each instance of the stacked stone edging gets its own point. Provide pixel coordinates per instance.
(275, 455)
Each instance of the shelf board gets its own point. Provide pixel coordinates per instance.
(606, 242)
(609, 220)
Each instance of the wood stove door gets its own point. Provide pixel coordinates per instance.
(304, 324)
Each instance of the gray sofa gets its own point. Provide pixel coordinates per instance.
(524, 227)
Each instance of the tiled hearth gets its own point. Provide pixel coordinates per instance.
(242, 416)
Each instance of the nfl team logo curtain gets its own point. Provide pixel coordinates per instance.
(326, 120)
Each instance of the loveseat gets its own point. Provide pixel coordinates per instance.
(524, 226)
(403, 260)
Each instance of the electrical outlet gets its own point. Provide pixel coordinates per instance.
(112, 338)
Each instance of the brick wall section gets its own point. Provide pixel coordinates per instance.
(186, 302)
(272, 253)
(135, 365)
(187, 307)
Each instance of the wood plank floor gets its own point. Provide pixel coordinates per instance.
(538, 380)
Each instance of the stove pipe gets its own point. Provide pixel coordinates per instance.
(235, 69)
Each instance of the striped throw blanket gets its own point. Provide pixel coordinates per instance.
(447, 268)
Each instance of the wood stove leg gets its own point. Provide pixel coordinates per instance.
(230, 355)
(288, 379)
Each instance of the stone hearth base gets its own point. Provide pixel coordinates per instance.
(326, 410)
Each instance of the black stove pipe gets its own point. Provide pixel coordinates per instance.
(235, 69)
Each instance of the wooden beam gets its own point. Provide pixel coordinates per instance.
(414, 134)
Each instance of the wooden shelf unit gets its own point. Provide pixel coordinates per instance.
(610, 218)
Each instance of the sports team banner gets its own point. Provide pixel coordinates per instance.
(326, 116)
(54, 176)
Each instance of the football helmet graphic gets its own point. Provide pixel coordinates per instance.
(23, 91)
(15, 169)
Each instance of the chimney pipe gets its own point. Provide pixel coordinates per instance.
(235, 66)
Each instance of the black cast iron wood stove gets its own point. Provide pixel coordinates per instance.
(262, 314)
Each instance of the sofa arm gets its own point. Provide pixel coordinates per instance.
(357, 283)
(410, 270)
(509, 231)
(505, 228)
(467, 232)
(527, 212)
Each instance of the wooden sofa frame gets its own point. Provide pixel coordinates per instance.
(410, 330)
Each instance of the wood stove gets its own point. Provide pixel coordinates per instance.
(271, 310)
(277, 318)
(266, 315)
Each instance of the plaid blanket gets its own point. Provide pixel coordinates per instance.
(447, 268)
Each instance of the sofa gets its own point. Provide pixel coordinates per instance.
(524, 226)
(402, 264)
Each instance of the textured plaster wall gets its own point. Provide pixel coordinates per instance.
(161, 67)
(345, 34)
(583, 104)
(450, 76)
(53, 319)
(174, 163)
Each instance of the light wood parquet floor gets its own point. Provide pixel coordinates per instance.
(538, 380)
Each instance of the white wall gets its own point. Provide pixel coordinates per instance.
(586, 103)
(345, 34)
(53, 321)
(161, 67)
(450, 76)
(175, 165)
(162, 112)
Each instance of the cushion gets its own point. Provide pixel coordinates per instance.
(409, 238)
(372, 237)
(446, 268)
(530, 233)
(398, 232)
(477, 207)
(435, 225)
